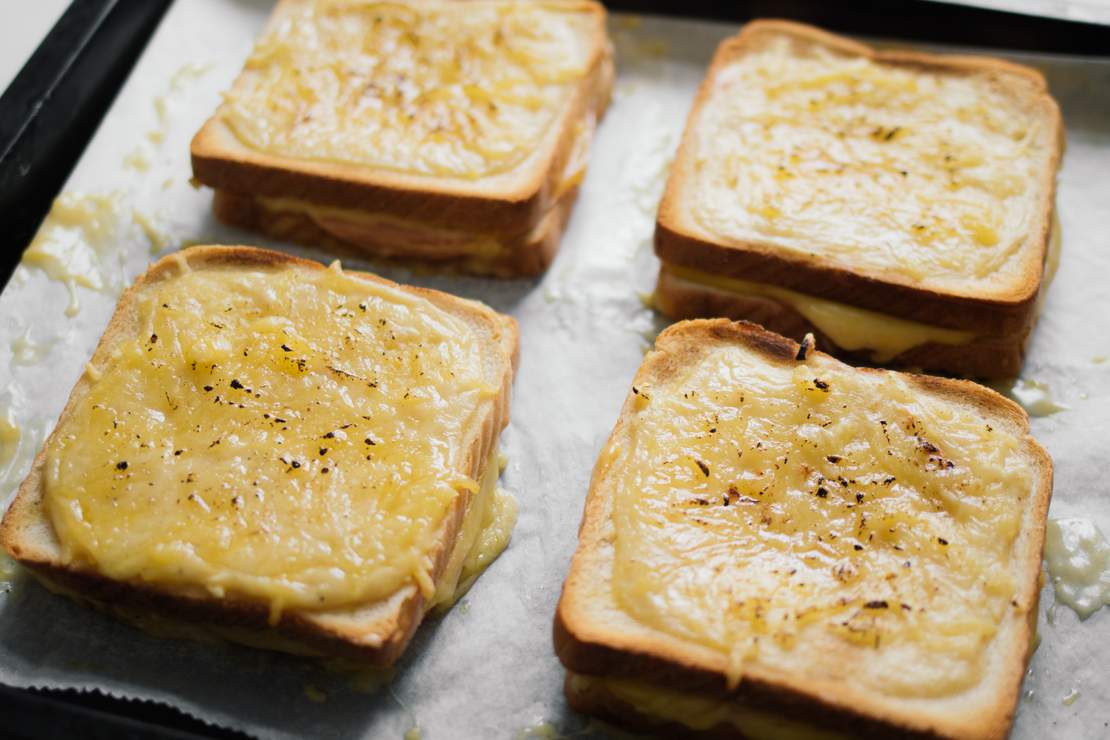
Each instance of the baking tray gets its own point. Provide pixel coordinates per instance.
(487, 669)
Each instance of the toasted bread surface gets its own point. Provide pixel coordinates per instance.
(882, 179)
(375, 632)
(511, 200)
(598, 633)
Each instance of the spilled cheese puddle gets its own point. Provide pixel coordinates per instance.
(1032, 395)
(79, 242)
(1078, 558)
(18, 445)
(27, 351)
(75, 241)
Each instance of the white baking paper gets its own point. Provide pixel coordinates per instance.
(487, 669)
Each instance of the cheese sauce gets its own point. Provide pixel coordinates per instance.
(465, 90)
(290, 436)
(801, 515)
(903, 173)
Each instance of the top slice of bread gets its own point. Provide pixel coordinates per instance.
(817, 684)
(508, 202)
(375, 633)
(873, 178)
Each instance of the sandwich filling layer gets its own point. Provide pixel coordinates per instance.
(818, 520)
(697, 712)
(292, 436)
(851, 328)
(392, 235)
(855, 329)
(433, 88)
(900, 171)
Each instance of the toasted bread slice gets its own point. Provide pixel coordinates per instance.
(473, 118)
(916, 186)
(776, 540)
(264, 593)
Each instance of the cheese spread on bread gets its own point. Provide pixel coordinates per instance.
(435, 88)
(487, 526)
(809, 515)
(907, 172)
(287, 436)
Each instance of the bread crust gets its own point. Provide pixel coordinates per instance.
(989, 357)
(989, 309)
(511, 203)
(595, 646)
(375, 633)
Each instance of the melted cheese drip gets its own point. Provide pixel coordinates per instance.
(20, 440)
(851, 328)
(1033, 396)
(900, 172)
(791, 516)
(1078, 558)
(540, 731)
(701, 713)
(466, 90)
(289, 436)
(73, 243)
(10, 435)
(27, 351)
(485, 533)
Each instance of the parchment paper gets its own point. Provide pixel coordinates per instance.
(487, 668)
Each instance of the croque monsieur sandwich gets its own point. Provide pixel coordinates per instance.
(272, 452)
(898, 205)
(453, 133)
(776, 544)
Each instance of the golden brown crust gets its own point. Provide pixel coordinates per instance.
(983, 357)
(377, 633)
(507, 204)
(593, 645)
(990, 309)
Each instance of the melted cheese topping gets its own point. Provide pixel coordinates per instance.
(851, 328)
(700, 713)
(436, 88)
(487, 526)
(904, 173)
(818, 519)
(290, 436)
